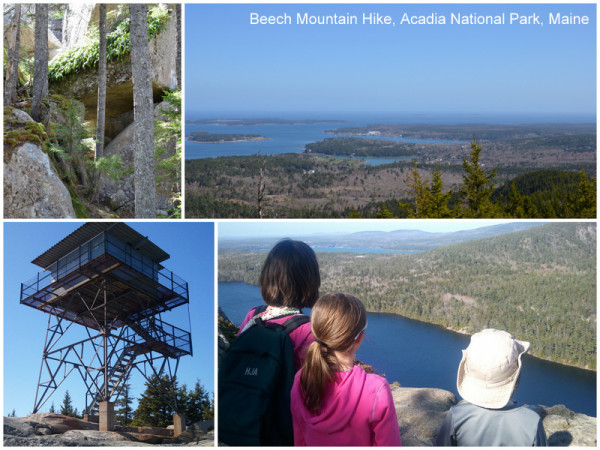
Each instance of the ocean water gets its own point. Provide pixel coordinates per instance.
(417, 354)
(291, 138)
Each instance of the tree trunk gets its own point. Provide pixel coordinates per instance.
(101, 83)
(178, 59)
(12, 64)
(143, 113)
(40, 68)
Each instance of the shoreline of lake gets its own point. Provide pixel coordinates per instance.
(460, 332)
(420, 354)
(466, 333)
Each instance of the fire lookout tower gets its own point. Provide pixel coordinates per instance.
(107, 278)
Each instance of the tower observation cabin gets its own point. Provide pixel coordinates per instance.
(105, 292)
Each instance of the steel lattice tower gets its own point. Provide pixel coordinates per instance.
(107, 280)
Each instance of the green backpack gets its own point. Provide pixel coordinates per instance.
(255, 381)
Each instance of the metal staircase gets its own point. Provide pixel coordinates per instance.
(150, 334)
(116, 377)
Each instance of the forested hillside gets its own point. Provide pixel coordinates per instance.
(539, 284)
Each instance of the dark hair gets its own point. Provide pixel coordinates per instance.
(290, 275)
(337, 320)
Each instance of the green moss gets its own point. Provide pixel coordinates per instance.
(32, 132)
(52, 129)
(8, 112)
(118, 46)
(62, 101)
(78, 206)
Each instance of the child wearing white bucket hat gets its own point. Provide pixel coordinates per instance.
(488, 376)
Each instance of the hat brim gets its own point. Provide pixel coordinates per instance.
(486, 394)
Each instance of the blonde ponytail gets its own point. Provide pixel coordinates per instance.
(336, 321)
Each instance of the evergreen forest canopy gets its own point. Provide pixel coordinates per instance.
(555, 179)
(155, 407)
(538, 284)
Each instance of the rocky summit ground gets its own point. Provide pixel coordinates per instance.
(420, 411)
(55, 430)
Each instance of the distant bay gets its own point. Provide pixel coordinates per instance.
(284, 137)
(417, 354)
(290, 136)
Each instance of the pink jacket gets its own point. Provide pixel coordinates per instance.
(358, 410)
(301, 337)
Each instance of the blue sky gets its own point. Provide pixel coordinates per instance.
(191, 246)
(234, 67)
(300, 228)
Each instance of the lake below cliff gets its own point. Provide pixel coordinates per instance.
(417, 354)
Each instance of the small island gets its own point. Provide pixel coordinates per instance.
(204, 137)
(357, 147)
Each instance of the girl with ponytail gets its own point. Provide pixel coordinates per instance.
(335, 402)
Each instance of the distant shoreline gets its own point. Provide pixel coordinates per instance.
(255, 122)
(226, 141)
(204, 137)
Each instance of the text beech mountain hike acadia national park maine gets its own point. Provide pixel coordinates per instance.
(375, 18)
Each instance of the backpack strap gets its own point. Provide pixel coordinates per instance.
(294, 322)
(288, 326)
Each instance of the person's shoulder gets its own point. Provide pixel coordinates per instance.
(249, 316)
(375, 381)
(302, 329)
(530, 411)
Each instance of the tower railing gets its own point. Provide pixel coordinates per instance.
(91, 250)
(177, 342)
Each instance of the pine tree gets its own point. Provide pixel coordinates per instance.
(209, 410)
(430, 201)
(167, 134)
(438, 199)
(195, 403)
(515, 206)
(67, 406)
(156, 406)
(354, 214)
(583, 205)
(69, 135)
(478, 186)
(419, 191)
(384, 213)
(52, 408)
(123, 409)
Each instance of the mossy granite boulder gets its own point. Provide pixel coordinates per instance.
(32, 188)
